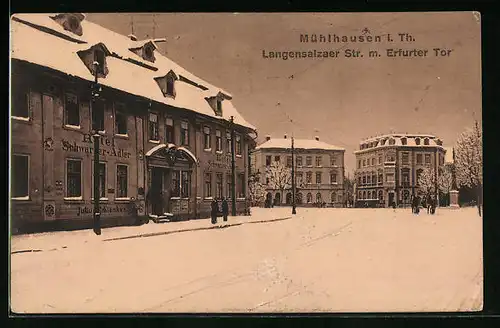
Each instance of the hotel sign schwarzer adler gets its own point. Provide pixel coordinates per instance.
(86, 147)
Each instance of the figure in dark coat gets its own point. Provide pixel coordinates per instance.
(225, 209)
(215, 210)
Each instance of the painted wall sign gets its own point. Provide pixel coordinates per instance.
(108, 209)
(221, 161)
(87, 148)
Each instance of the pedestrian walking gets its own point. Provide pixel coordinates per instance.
(215, 210)
(225, 209)
(429, 204)
(417, 205)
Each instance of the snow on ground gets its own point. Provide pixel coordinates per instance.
(334, 260)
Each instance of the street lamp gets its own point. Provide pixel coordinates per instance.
(96, 137)
(294, 209)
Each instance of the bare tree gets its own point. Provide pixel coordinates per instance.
(280, 177)
(445, 181)
(469, 161)
(427, 181)
(257, 190)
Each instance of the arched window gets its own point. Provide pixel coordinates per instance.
(417, 141)
(318, 198)
(289, 198)
(364, 194)
(277, 198)
(309, 197)
(403, 141)
(360, 195)
(392, 142)
(426, 141)
(333, 197)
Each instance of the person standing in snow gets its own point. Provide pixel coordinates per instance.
(225, 209)
(215, 210)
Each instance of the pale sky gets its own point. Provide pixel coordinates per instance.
(341, 100)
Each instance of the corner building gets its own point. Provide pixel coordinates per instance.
(165, 134)
(319, 171)
(388, 167)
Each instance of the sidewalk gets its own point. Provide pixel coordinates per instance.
(66, 239)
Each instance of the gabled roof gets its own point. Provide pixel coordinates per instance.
(34, 38)
(306, 144)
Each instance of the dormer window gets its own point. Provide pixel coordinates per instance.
(99, 61)
(382, 142)
(70, 22)
(392, 142)
(146, 51)
(95, 59)
(219, 106)
(167, 84)
(403, 141)
(417, 141)
(426, 141)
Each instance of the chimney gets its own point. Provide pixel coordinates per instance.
(132, 37)
(317, 138)
(285, 136)
(268, 138)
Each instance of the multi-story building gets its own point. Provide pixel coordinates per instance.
(165, 134)
(388, 167)
(319, 170)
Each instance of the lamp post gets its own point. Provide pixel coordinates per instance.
(233, 168)
(294, 210)
(96, 137)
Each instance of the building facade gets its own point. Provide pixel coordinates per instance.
(388, 167)
(319, 171)
(165, 135)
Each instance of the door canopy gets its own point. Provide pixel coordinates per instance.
(172, 154)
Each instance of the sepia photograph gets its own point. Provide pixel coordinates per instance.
(245, 163)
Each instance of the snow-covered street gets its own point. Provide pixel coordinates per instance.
(334, 260)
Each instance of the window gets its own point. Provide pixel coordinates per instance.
(368, 179)
(185, 184)
(390, 158)
(403, 141)
(102, 181)
(373, 161)
(389, 177)
(268, 160)
(208, 185)
(309, 197)
(374, 179)
(333, 197)
(360, 195)
(229, 185)
(359, 163)
(426, 141)
(219, 107)
(364, 195)
(74, 178)
(405, 158)
(333, 177)
(19, 176)
(417, 141)
(299, 161)
(300, 177)
(309, 160)
(99, 58)
(419, 158)
(153, 127)
(289, 161)
(318, 177)
(20, 104)
(169, 131)
(427, 158)
(241, 185)
(238, 145)
(382, 142)
(380, 195)
(333, 160)
(218, 185)
(228, 142)
(380, 159)
(206, 138)
(392, 142)
(359, 181)
(309, 177)
(318, 161)
(318, 198)
(218, 140)
(121, 121)
(71, 110)
(184, 133)
(364, 162)
(121, 181)
(364, 179)
(98, 115)
(169, 90)
(380, 178)
(405, 177)
(277, 158)
(175, 188)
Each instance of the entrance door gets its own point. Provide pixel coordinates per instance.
(391, 198)
(157, 191)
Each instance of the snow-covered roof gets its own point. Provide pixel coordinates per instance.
(400, 139)
(38, 39)
(298, 144)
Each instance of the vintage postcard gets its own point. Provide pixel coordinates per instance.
(245, 162)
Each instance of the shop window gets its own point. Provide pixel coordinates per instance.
(71, 110)
(208, 185)
(169, 130)
(153, 127)
(74, 178)
(218, 140)
(207, 142)
(121, 181)
(184, 133)
(20, 176)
